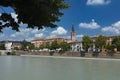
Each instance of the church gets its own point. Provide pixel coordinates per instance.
(76, 45)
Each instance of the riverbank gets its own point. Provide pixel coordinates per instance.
(69, 54)
(65, 57)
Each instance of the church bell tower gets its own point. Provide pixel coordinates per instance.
(73, 35)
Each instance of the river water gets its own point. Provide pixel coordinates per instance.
(50, 68)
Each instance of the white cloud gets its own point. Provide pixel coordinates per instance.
(59, 31)
(39, 35)
(91, 25)
(66, 36)
(27, 33)
(23, 34)
(29, 39)
(25, 30)
(13, 35)
(114, 29)
(2, 36)
(98, 2)
(36, 30)
(79, 36)
(14, 16)
(51, 36)
(117, 25)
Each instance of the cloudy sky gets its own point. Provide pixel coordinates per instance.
(90, 17)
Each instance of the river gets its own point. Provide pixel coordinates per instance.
(53, 68)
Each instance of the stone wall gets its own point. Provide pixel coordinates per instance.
(48, 53)
(71, 54)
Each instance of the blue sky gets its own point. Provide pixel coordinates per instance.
(90, 17)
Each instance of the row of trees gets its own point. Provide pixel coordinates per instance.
(89, 43)
(101, 42)
(53, 46)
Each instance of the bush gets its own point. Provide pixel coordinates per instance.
(51, 53)
(13, 53)
(61, 52)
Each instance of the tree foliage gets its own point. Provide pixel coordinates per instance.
(31, 46)
(2, 46)
(116, 42)
(47, 45)
(64, 46)
(24, 45)
(54, 45)
(100, 41)
(35, 13)
(41, 46)
(110, 47)
(87, 42)
(16, 48)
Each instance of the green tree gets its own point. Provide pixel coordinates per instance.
(24, 45)
(64, 46)
(41, 46)
(16, 48)
(87, 42)
(2, 46)
(110, 47)
(100, 41)
(37, 48)
(116, 42)
(54, 45)
(47, 45)
(31, 46)
(35, 13)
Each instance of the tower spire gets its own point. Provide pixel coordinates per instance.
(73, 28)
(73, 33)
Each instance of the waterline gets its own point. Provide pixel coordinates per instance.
(64, 57)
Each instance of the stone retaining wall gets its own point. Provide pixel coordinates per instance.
(48, 53)
(71, 54)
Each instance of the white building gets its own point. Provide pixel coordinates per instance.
(76, 46)
(8, 45)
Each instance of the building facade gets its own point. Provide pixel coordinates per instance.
(42, 41)
(75, 44)
(109, 40)
(11, 44)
